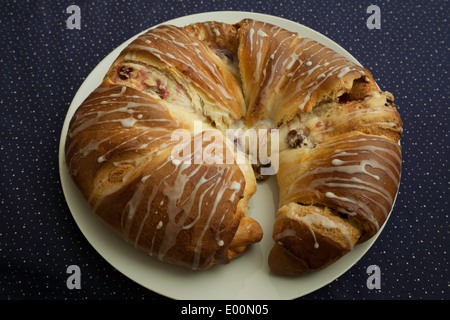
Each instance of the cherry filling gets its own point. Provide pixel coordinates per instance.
(143, 81)
(163, 93)
(124, 72)
(294, 138)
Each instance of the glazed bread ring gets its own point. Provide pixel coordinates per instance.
(337, 146)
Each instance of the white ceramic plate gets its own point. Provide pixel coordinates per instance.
(246, 277)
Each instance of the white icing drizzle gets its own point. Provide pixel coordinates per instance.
(179, 49)
(357, 175)
(342, 116)
(288, 59)
(96, 117)
(180, 203)
(310, 219)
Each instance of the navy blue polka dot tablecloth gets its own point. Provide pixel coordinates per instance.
(44, 63)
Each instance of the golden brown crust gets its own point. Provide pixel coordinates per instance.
(285, 74)
(352, 167)
(177, 53)
(309, 238)
(118, 152)
(217, 35)
(373, 115)
(336, 190)
(354, 173)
